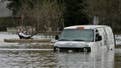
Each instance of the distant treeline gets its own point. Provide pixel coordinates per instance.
(53, 15)
(8, 22)
(49, 15)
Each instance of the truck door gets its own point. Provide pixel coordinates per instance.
(102, 34)
(109, 38)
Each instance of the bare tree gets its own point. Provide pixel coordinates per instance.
(48, 16)
(108, 11)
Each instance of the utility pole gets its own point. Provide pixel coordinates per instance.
(95, 20)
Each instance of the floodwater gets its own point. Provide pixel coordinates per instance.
(29, 55)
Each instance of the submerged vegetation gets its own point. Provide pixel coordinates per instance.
(118, 46)
(117, 59)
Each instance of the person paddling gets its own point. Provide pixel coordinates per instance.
(24, 35)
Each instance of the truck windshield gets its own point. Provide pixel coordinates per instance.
(77, 35)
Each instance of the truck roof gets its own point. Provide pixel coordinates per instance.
(85, 26)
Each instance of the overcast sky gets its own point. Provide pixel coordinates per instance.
(4, 12)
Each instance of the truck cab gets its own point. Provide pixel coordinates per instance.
(85, 38)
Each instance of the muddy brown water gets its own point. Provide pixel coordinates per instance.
(39, 55)
(35, 55)
(48, 59)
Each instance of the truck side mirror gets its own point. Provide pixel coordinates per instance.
(98, 38)
(56, 37)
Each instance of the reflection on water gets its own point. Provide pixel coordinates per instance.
(49, 59)
(101, 59)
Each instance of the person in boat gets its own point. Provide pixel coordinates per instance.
(24, 35)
